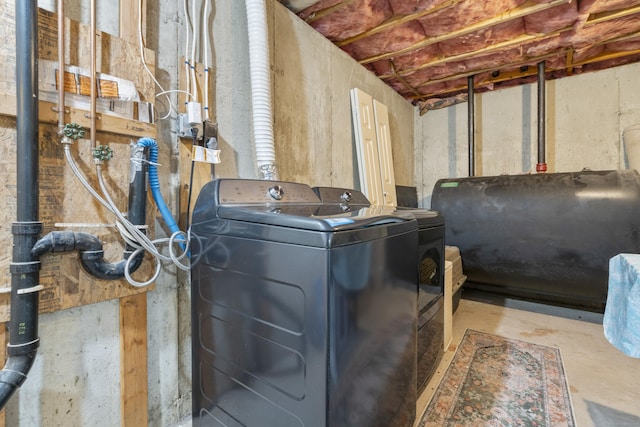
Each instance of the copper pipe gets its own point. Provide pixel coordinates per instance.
(61, 108)
(92, 110)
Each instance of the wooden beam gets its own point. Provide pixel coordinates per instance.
(596, 18)
(525, 38)
(397, 20)
(523, 10)
(105, 123)
(569, 63)
(133, 310)
(328, 11)
(516, 74)
(134, 406)
(502, 77)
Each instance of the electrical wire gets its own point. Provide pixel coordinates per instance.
(146, 67)
(131, 233)
(205, 51)
(193, 52)
(187, 49)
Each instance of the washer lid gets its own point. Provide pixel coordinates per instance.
(284, 204)
(313, 217)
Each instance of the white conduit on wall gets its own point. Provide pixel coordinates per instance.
(259, 62)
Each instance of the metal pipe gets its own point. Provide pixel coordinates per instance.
(471, 118)
(541, 167)
(92, 109)
(25, 269)
(61, 42)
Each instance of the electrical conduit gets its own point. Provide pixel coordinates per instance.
(259, 62)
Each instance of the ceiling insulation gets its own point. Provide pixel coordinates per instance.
(427, 49)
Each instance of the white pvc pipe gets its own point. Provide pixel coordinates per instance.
(259, 62)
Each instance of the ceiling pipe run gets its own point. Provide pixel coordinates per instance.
(471, 118)
(541, 167)
(25, 268)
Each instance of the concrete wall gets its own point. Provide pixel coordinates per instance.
(586, 115)
(312, 116)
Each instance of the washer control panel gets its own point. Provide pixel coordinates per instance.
(255, 191)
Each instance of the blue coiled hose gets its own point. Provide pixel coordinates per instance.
(154, 183)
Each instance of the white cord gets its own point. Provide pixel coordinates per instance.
(82, 179)
(193, 53)
(205, 49)
(144, 62)
(174, 91)
(187, 49)
(131, 233)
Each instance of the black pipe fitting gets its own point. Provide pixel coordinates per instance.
(91, 253)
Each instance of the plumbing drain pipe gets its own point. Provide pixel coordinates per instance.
(541, 167)
(260, 71)
(25, 269)
(89, 246)
(471, 118)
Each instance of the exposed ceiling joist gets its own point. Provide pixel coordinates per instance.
(428, 48)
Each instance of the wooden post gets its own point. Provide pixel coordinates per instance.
(133, 310)
(134, 402)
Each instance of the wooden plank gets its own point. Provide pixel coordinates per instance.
(328, 11)
(104, 123)
(62, 198)
(494, 48)
(134, 406)
(597, 18)
(130, 21)
(397, 20)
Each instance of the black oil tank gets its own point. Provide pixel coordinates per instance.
(546, 236)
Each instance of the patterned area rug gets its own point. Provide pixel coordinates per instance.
(496, 381)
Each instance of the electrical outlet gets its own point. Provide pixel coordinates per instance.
(184, 128)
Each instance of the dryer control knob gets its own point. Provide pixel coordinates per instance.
(276, 192)
(346, 196)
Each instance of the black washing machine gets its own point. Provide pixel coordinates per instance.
(431, 256)
(302, 314)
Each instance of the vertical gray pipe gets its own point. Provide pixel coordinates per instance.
(472, 126)
(542, 115)
(25, 269)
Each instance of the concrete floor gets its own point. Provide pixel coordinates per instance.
(603, 382)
